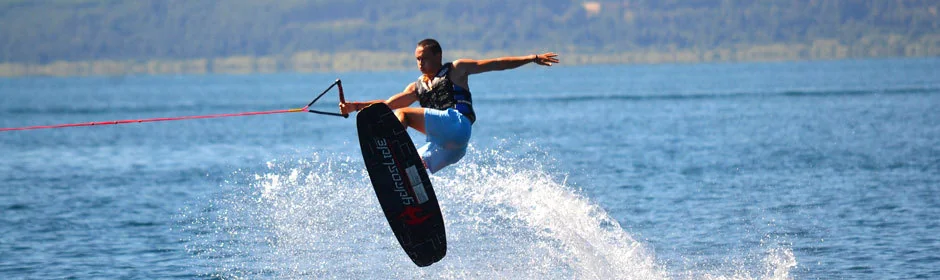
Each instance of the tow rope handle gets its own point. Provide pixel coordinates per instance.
(339, 85)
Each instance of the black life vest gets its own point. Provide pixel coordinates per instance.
(444, 94)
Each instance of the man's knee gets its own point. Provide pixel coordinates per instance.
(402, 117)
(411, 117)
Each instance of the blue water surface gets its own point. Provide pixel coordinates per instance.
(807, 170)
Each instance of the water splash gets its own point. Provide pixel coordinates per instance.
(506, 217)
(776, 266)
(541, 222)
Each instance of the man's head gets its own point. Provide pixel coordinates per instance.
(429, 56)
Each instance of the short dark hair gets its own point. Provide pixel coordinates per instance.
(430, 44)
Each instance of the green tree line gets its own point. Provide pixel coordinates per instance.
(146, 36)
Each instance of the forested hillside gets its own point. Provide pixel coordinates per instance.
(272, 33)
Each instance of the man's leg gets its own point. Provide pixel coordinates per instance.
(412, 117)
(443, 127)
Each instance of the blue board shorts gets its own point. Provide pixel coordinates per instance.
(448, 134)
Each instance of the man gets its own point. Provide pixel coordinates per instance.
(446, 112)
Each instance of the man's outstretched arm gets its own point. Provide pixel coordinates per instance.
(470, 66)
(399, 100)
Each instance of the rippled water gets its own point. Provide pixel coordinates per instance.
(714, 171)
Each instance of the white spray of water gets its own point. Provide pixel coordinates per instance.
(506, 218)
(563, 230)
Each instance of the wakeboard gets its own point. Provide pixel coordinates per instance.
(401, 184)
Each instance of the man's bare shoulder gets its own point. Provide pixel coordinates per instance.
(463, 62)
(463, 66)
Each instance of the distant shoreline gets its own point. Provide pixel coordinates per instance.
(315, 61)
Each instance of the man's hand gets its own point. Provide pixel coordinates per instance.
(546, 58)
(348, 107)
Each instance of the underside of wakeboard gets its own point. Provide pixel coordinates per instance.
(401, 184)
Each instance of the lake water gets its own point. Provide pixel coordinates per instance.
(803, 170)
